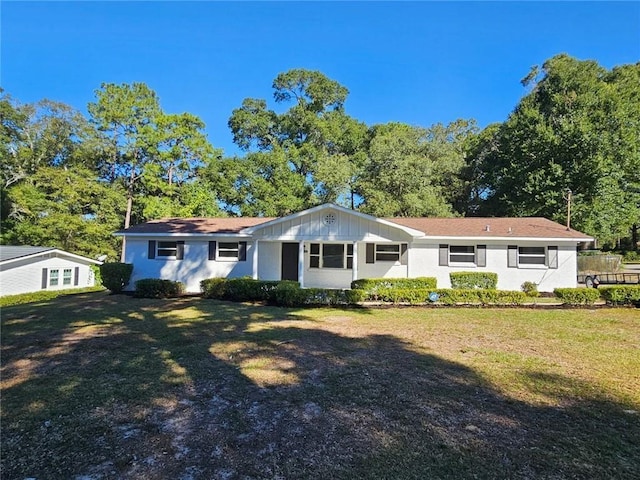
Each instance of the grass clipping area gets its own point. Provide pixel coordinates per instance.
(104, 386)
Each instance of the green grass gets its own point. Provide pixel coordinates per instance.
(43, 295)
(109, 386)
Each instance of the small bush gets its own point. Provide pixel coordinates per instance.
(621, 294)
(115, 276)
(373, 286)
(631, 256)
(288, 294)
(530, 289)
(158, 288)
(213, 288)
(481, 296)
(577, 296)
(471, 280)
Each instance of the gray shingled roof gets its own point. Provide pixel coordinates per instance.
(10, 252)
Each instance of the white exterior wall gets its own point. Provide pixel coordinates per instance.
(192, 269)
(25, 276)
(424, 257)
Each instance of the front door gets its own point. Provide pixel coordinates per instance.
(290, 261)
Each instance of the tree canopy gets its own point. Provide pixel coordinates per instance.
(70, 181)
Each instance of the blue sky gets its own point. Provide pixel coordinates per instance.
(413, 62)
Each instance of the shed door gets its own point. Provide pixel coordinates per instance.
(290, 261)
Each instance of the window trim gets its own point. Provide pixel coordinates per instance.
(156, 246)
(530, 255)
(51, 277)
(347, 256)
(467, 253)
(221, 251)
(381, 253)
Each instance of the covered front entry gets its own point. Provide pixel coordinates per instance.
(289, 264)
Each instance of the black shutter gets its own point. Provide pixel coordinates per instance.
(152, 249)
(552, 253)
(443, 255)
(212, 250)
(76, 276)
(371, 253)
(45, 277)
(481, 255)
(180, 250)
(404, 255)
(512, 256)
(242, 251)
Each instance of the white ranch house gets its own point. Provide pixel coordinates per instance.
(329, 246)
(26, 269)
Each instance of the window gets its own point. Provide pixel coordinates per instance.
(228, 250)
(167, 249)
(331, 255)
(387, 252)
(53, 277)
(532, 256)
(66, 276)
(462, 254)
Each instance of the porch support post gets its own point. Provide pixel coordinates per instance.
(301, 263)
(254, 273)
(354, 269)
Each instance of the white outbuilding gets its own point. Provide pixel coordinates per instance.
(25, 269)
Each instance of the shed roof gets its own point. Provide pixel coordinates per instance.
(11, 252)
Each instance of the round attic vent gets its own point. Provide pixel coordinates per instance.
(329, 219)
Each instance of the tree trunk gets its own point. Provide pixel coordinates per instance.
(127, 216)
(634, 237)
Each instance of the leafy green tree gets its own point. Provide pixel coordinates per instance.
(63, 207)
(320, 144)
(414, 171)
(577, 129)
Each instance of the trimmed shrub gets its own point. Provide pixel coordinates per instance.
(158, 288)
(621, 294)
(447, 296)
(246, 289)
(471, 280)
(481, 296)
(213, 288)
(530, 289)
(115, 275)
(577, 296)
(373, 286)
(289, 294)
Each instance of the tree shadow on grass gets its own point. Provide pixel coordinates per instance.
(113, 387)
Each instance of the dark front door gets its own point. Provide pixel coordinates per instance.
(290, 261)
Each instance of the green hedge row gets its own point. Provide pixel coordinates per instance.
(621, 294)
(282, 293)
(449, 296)
(369, 287)
(471, 280)
(577, 296)
(158, 288)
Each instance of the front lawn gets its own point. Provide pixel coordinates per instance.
(102, 386)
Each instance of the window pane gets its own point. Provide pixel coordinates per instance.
(228, 246)
(333, 256)
(461, 249)
(315, 249)
(531, 250)
(53, 277)
(528, 260)
(66, 276)
(349, 263)
(388, 248)
(462, 258)
(228, 254)
(167, 245)
(167, 249)
(314, 261)
(387, 257)
(350, 249)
